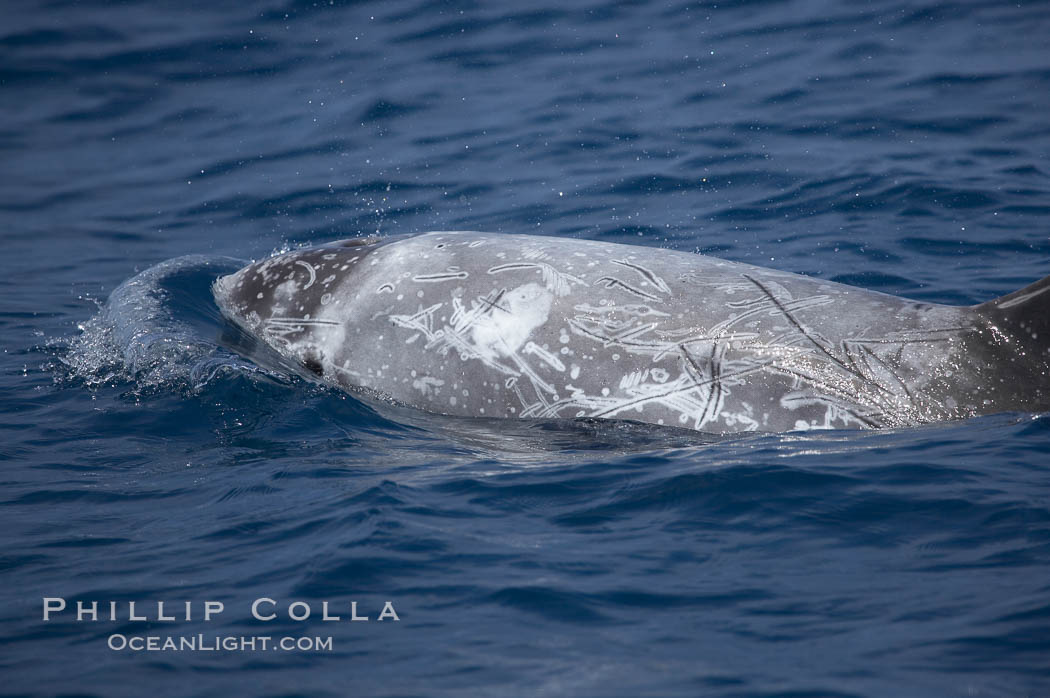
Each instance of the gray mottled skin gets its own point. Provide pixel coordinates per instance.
(524, 326)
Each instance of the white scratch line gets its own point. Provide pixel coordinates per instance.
(313, 274)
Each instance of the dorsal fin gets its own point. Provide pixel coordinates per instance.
(1025, 315)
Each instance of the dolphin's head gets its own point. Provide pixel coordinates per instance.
(293, 301)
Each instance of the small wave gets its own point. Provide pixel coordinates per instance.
(160, 330)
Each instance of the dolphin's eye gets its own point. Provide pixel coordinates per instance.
(312, 362)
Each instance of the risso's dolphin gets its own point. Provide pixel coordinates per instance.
(497, 325)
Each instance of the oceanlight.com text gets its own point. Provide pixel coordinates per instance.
(217, 643)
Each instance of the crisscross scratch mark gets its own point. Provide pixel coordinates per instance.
(789, 316)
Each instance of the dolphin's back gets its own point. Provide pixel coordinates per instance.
(527, 326)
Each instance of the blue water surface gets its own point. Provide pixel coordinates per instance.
(151, 452)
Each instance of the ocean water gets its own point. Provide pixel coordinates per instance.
(150, 454)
